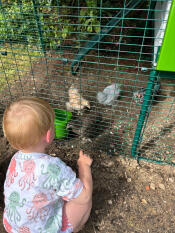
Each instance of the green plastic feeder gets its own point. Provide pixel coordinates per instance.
(61, 119)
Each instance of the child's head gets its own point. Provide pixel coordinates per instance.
(26, 121)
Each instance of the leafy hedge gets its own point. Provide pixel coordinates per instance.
(46, 21)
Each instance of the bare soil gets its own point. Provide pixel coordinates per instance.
(123, 200)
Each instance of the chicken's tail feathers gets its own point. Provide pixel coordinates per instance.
(118, 87)
(85, 103)
(68, 106)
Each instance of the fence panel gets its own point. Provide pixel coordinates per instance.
(103, 52)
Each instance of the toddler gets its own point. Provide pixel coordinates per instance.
(42, 194)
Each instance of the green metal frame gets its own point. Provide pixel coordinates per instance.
(144, 111)
(153, 78)
(153, 74)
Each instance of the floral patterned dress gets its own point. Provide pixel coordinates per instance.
(35, 189)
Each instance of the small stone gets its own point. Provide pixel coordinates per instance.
(152, 186)
(162, 186)
(53, 155)
(171, 180)
(108, 163)
(86, 140)
(96, 212)
(110, 202)
(129, 180)
(143, 201)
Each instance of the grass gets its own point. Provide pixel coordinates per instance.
(16, 61)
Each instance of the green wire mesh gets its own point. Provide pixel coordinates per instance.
(46, 46)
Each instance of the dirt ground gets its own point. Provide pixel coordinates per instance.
(128, 197)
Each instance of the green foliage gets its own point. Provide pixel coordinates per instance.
(89, 17)
(17, 24)
(46, 22)
(18, 56)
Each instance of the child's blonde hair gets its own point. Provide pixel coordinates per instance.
(26, 120)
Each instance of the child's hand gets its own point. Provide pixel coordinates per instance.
(84, 159)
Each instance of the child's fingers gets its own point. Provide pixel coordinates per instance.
(81, 153)
(85, 156)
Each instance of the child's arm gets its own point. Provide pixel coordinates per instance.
(84, 166)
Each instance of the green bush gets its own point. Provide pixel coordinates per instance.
(89, 17)
(46, 22)
(17, 24)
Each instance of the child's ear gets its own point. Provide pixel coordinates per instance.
(48, 136)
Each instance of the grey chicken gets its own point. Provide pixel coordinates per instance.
(109, 95)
